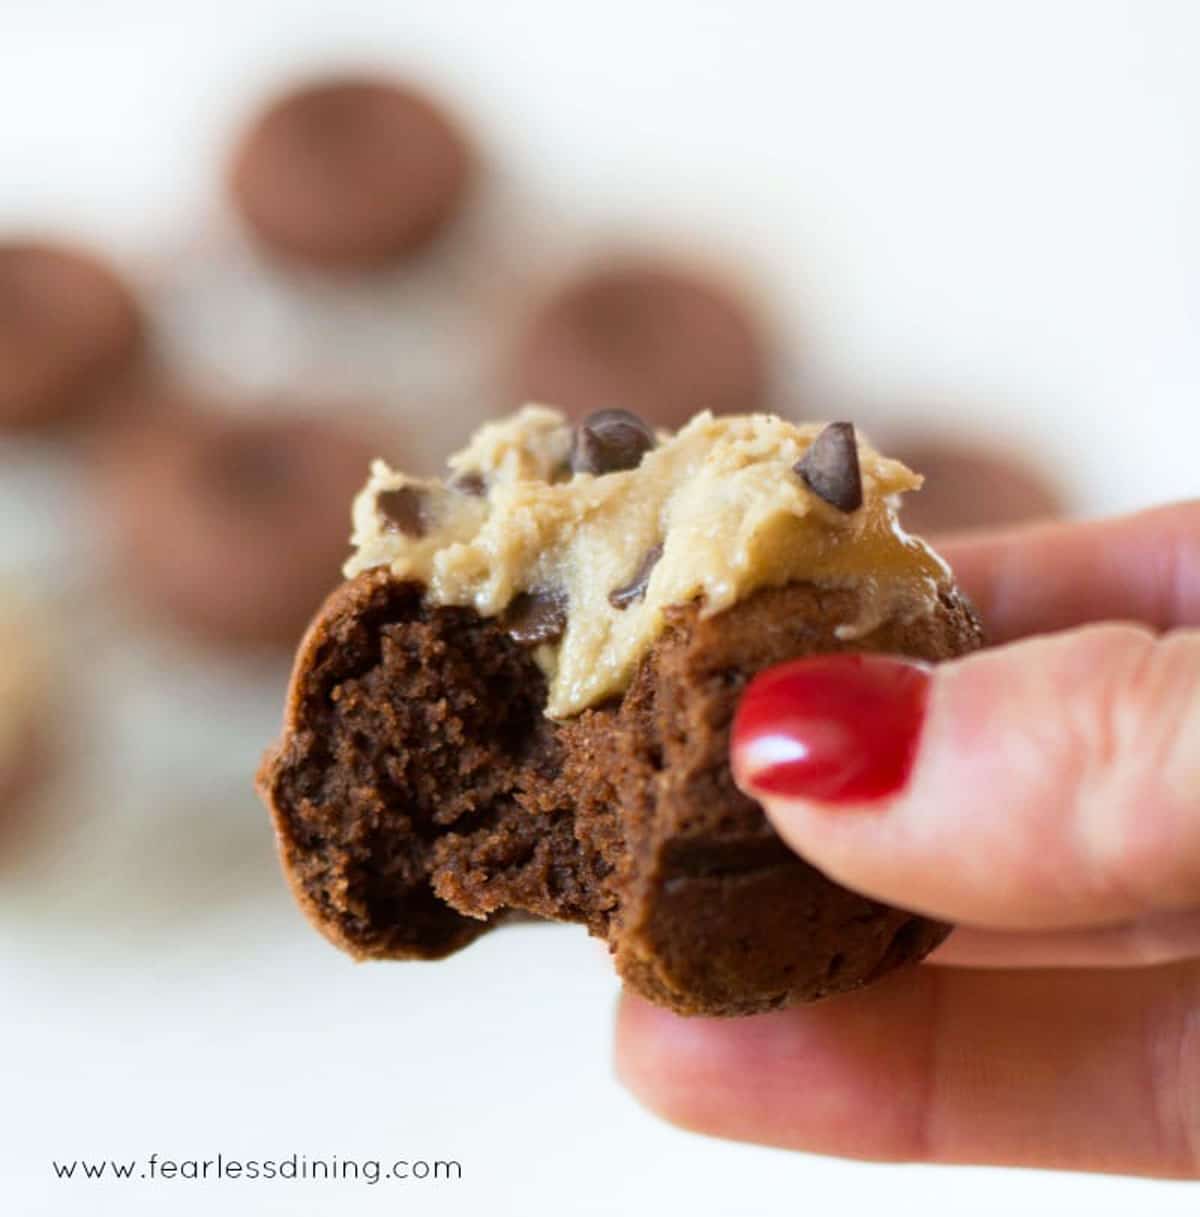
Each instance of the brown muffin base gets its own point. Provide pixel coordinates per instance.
(419, 795)
(23, 778)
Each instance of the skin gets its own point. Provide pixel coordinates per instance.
(1059, 1026)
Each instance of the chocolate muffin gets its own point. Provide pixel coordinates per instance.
(25, 725)
(521, 700)
(69, 329)
(351, 173)
(660, 339)
(229, 526)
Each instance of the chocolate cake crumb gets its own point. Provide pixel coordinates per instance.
(419, 794)
(830, 468)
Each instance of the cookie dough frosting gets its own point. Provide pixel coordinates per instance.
(578, 538)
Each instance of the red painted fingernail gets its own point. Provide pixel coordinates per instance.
(833, 728)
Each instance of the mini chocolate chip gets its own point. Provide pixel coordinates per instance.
(830, 468)
(471, 482)
(609, 441)
(535, 617)
(403, 510)
(635, 590)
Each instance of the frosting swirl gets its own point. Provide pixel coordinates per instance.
(711, 513)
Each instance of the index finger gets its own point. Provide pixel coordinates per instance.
(1047, 577)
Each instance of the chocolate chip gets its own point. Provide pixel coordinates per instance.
(635, 590)
(830, 467)
(609, 441)
(535, 617)
(403, 510)
(471, 482)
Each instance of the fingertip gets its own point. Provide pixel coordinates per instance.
(841, 1076)
(1040, 792)
(827, 745)
(701, 1074)
(667, 1062)
(944, 1065)
(838, 729)
(629, 1039)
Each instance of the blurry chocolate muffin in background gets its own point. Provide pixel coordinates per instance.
(351, 173)
(70, 328)
(645, 335)
(25, 749)
(232, 527)
(971, 485)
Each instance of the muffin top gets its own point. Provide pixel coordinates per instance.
(580, 537)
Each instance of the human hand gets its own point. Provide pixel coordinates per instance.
(1050, 806)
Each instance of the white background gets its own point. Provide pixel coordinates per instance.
(987, 214)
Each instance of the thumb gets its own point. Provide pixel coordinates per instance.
(1049, 783)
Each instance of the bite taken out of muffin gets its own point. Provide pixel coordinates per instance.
(520, 699)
